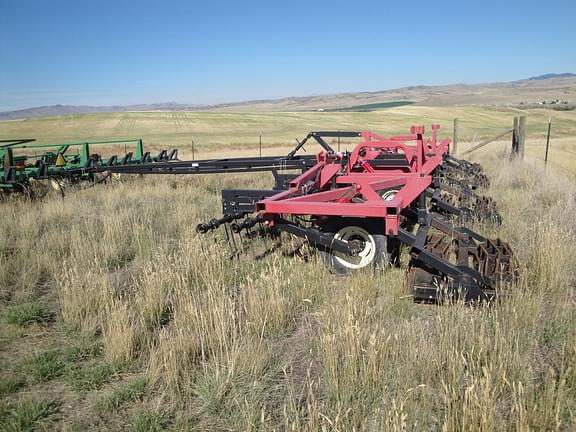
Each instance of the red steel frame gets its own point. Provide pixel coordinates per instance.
(328, 187)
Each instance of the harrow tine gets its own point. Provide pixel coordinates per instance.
(250, 236)
(234, 252)
(213, 224)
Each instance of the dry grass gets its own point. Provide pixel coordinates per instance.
(280, 343)
(233, 132)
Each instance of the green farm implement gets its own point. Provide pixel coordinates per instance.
(28, 167)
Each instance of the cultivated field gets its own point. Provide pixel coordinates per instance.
(234, 133)
(116, 315)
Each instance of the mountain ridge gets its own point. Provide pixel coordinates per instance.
(531, 90)
(552, 75)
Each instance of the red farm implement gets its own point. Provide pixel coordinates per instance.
(358, 208)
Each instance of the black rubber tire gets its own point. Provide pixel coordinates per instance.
(385, 249)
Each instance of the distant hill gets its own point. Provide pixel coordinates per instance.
(526, 92)
(552, 75)
(56, 110)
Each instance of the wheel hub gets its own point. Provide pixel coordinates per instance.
(363, 244)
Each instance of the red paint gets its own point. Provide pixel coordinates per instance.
(328, 188)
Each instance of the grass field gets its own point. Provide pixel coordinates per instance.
(231, 133)
(116, 315)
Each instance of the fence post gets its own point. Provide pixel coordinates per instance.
(514, 139)
(521, 136)
(455, 137)
(548, 139)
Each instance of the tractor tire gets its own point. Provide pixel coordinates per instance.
(378, 253)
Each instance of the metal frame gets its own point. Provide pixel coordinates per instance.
(329, 187)
(407, 184)
(415, 174)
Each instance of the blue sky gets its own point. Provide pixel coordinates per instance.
(139, 51)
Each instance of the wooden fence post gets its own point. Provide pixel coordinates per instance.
(455, 137)
(518, 138)
(521, 136)
(514, 139)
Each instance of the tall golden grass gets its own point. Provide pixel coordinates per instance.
(282, 344)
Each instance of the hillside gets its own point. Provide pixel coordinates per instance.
(494, 94)
(529, 91)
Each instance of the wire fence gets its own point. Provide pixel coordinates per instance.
(561, 152)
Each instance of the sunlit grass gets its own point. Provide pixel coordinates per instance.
(280, 343)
